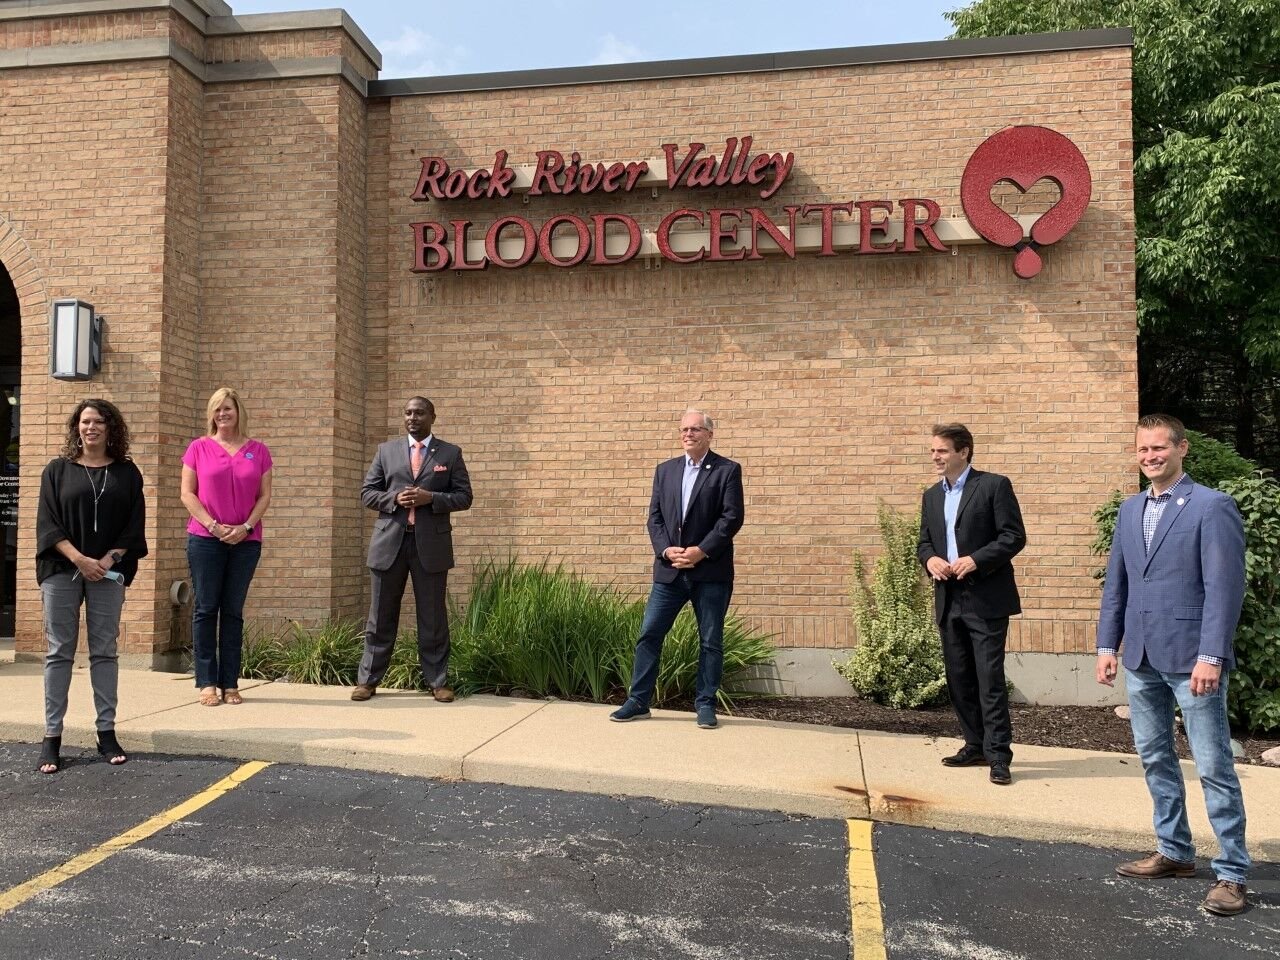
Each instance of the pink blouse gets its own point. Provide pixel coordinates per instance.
(227, 486)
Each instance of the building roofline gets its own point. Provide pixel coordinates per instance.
(757, 63)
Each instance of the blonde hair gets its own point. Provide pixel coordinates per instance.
(220, 396)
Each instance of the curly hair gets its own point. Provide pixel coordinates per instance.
(117, 430)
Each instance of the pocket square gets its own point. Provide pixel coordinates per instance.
(439, 468)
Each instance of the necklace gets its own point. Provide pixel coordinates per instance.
(97, 494)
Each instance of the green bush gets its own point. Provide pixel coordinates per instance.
(1210, 462)
(898, 659)
(1254, 690)
(532, 628)
(325, 654)
(549, 632)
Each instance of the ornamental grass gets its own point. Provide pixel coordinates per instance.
(538, 630)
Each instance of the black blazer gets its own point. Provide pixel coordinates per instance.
(989, 529)
(714, 516)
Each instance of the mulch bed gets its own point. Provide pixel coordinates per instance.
(1081, 728)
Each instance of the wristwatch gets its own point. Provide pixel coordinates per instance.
(116, 556)
(248, 528)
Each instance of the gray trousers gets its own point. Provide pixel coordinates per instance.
(384, 618)
(102, 600)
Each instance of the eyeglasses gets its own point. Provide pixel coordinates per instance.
(684, 430)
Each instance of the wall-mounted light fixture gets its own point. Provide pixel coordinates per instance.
(75, 340)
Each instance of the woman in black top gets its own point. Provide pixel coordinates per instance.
(89, 538)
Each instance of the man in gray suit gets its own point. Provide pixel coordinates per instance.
(1175, 586)
(415, 482)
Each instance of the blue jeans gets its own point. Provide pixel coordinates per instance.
(221, 575)
(1152, 695)
(710, 600)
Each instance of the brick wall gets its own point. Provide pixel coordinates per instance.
(255, 234)
(82, 184)
(564, 386)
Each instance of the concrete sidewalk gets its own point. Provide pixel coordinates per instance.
(1062, 795)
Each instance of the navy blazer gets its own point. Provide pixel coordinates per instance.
(1181, 598)
(715, 514)
(989, 529)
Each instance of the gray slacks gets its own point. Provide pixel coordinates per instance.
(102, 601)
(387, 592)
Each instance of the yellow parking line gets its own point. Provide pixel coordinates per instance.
(864, 894)
(78, 865)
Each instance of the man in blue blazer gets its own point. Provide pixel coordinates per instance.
(1175, 586)
(695, 510)
(414, 483)
(970, 530)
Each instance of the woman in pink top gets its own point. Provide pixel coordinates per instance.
(226, 487)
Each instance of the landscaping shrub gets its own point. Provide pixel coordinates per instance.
(536, 629)
(898, 659)
(325, 654)
(549, 632)
(1254, 690)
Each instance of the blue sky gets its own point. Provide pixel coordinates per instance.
(433, 37)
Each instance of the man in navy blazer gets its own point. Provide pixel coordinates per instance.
(970, 531)
(1175, 586)
(694, 512)
(412, 538)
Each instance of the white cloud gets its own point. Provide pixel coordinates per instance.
(416, 53)
(613, 50)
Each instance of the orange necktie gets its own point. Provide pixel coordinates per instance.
(415, 464)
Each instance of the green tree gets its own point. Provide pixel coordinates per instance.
(1206, 133)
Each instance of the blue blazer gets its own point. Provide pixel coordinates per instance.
(715, 514)
(1181, 598)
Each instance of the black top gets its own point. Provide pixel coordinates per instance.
(66, 512)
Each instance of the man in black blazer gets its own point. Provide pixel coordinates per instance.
(695, 510)
(414, 483)
(970, 531)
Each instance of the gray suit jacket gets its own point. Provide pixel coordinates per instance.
(444, 473)
(1181, 598)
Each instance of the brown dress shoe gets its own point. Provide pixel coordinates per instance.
(1225, 898)
(442, 694)
(1156, 867)
(363, 691)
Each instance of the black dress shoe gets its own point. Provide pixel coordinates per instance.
(966, 757)
(1000, 774)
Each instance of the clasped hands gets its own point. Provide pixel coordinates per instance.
(939, 569)
(93, 570)
(684, 558)
(413, 497)
(228, 533)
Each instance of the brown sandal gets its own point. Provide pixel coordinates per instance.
(209, 697)
(232, 696)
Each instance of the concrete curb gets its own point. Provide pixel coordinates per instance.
(1058, 795)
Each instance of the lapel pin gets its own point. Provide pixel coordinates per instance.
(1181, 501)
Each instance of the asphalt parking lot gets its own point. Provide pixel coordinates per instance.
(303, 862)
(315, 862)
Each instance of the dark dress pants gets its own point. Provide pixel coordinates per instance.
(384, 617)
(973, 651)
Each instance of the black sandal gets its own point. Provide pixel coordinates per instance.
(110, 748)
(50, 754)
